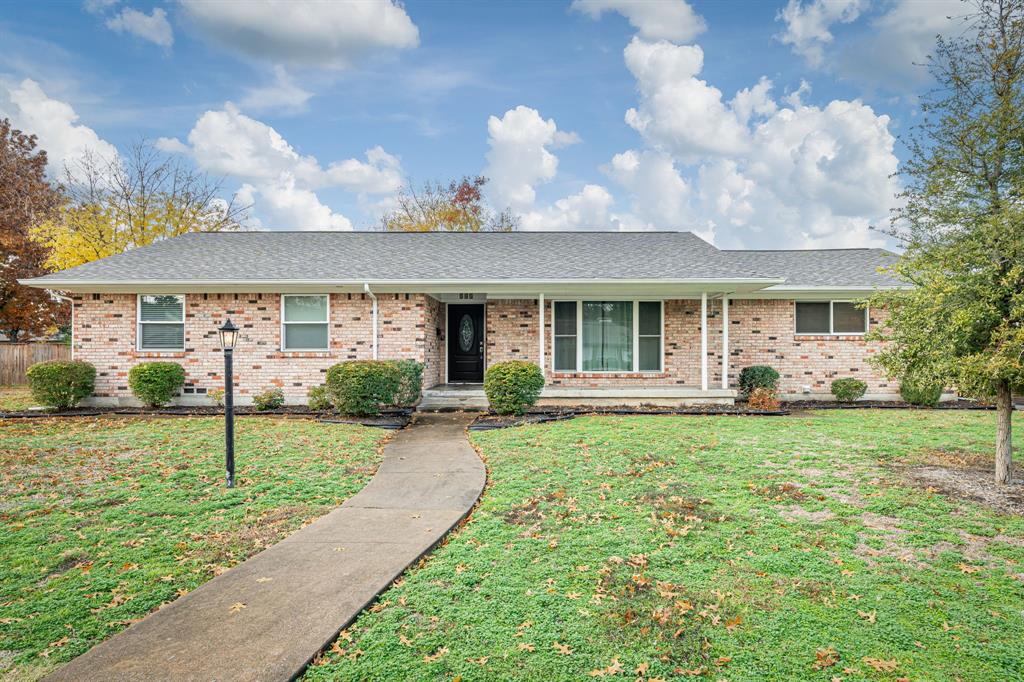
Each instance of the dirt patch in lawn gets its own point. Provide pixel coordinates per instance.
(797, 513)
(976, 485)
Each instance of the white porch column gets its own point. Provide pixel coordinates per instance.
(540, 304)
(704, 341)
(725, 341)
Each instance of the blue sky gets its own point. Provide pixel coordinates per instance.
(315, 113)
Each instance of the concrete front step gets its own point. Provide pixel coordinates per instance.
(471, 397)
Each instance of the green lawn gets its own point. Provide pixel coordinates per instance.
(15, 398)
(719, 548)
(103, 520)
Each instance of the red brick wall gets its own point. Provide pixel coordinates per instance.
(412, 326)
(105, 324)
(760, 332)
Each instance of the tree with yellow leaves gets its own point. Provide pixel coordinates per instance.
(133, 200)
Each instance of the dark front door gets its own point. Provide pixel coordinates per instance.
(466, 343)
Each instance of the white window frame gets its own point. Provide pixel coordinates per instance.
(831, 319)
(327, 322)
(635, 340)
(139, 323)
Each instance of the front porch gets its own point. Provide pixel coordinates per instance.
(471, 397)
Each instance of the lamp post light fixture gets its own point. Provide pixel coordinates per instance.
(228, 339)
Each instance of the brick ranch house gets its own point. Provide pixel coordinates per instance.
(610, 317)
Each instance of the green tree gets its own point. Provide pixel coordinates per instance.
(455, 207)
(962, 223)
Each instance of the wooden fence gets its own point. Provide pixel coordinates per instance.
(15, 358)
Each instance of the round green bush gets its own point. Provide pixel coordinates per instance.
(318, 399)
(270, 399)
(758, 376)
(156, 383)
(513, 386)
(923, 393)
(361, 387)
(411, 385)
(61, 384)
(849, 390)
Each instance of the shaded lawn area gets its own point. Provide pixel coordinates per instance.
(15, 398)
(103, 520)
(731, 548)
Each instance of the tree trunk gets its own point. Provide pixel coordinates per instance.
(1004, 440)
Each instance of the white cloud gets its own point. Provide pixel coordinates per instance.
(658, 193)
(153, 27)
(755, 100)
(519, 158)
(807, 25)
(654, 19)
(285, 206)
(54, 122)
(894, 53)
(677, 111)
(588, 209)
(305, 32)
(278, 180)
(283, 94)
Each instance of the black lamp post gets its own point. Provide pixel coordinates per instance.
(228, 338)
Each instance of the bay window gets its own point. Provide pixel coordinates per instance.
(161, 322)
(830, 317)
(607, 336)
(304, 320)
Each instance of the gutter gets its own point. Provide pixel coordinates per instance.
(366, 288)
(72, 302)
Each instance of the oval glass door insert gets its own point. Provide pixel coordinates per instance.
(466, 334)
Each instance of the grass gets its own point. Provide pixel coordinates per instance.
(713, 548)
(104, 520)
(15, 398)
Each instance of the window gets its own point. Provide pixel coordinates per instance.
(304, 322)
(830, 317)
(161, 322)
(607, 336)
(565, 336)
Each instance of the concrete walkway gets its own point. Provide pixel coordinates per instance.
(299, 593)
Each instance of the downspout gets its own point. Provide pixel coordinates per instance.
(366, 288)
(71, 301)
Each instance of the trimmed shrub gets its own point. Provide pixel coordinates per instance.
(270, 399)
(411, 383)
(217, 396)
(513, 386)
(923, 393)
(61, 384)
(762, 398)
(361, 387)
(758, 376)
(156, 383)
(318, 399)
(849, 390)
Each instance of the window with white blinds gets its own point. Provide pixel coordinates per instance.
(161, 322)
(304, 322)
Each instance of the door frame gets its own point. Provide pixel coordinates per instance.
(447, 358)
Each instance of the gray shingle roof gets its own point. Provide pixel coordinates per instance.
(381, 256)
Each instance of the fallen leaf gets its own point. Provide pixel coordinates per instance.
(825, 658)
(869, 616)
(523, 646)
(562, 649)
(881, 665)
(237, 606)
(733, 623)
(436, 655)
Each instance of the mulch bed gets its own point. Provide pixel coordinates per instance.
(388, 419)
(884, 405)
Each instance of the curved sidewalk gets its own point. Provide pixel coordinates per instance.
(299, 593)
